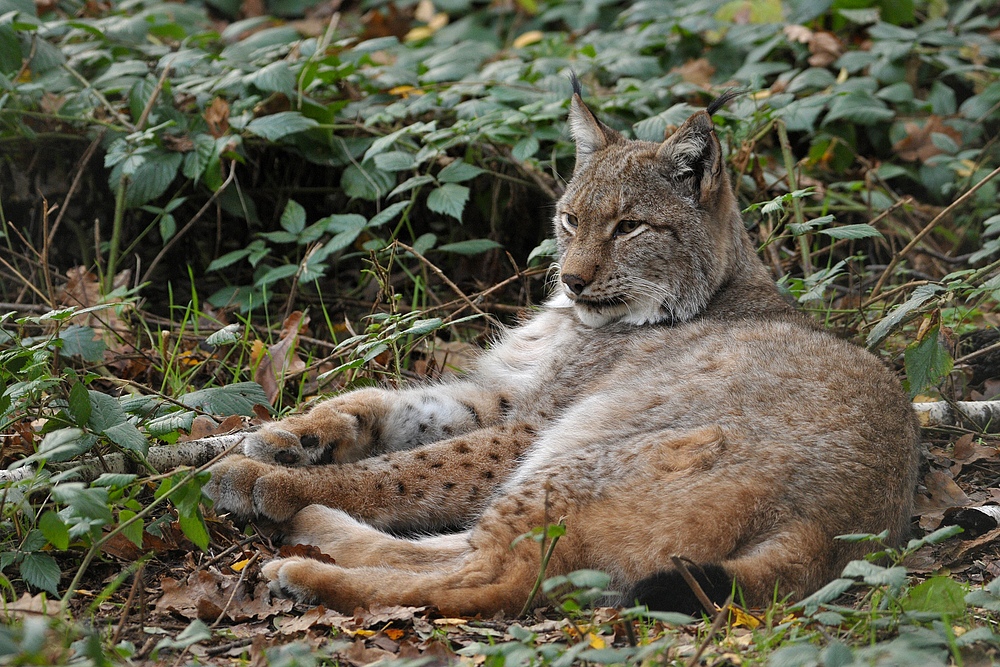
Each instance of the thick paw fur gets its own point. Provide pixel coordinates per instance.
(323, 435)
(667, 590)
(284, 578)
(249, 489)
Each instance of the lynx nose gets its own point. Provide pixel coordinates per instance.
(574, 282)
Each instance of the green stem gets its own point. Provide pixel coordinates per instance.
(786, 152)
(546, 555)
(116, 236)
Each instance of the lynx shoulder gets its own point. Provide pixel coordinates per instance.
(664, 402)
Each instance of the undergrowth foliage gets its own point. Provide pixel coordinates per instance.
(204, 175)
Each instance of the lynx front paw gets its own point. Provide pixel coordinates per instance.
(250, 489)
(323, 435)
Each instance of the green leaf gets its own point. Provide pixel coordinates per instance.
(195, 632)
(197, 160)
(133, 532)
(387, 214)
(525, 148)
(227, 335)
(449, 199)
(232, 399)
(152, 177)
(227, 259)
(293, 218)
(458, 172)
(901, 313)
(54, 530)
(274, 78)
(82, 342)
(79, 404)
(61, 445)
(410, 183)
(470, 247)
(108, 417)
(366, 181)
(859, 231)
(83, 501)
(927, 361)
(280, 125)
(941, 595)
(41, 571)
(546, 248)
(858, 107)
(194, 528)
(394, 161)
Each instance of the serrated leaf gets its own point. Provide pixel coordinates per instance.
(394, 161)
(280, 125)
(858, 107)
(232, 399)
(196, 161)
(82, 342)
(62, 445)
(133, 532)
(525, 148)
(83, 501)
(293, 218)
(79, 404)
(54, 530)
(410, 183)
(366, 181)
(273, 78)
(859, 231)
(940, 595)
(889, 323)
(170, 423)
(127, 436)
(227, 335)
(459, 171)
(448, 199)
(227, 259)
(470, 247)
(927, 361)
(41, 571)
(152, 177)
(387, 214)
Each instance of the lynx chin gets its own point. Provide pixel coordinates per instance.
(665, 401)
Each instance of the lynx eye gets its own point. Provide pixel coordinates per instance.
(627, 227)
(570, 222)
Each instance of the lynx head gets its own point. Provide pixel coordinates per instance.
(647, 232)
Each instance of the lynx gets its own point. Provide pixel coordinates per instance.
(665, 401)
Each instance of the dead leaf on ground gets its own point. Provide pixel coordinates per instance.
(83, 290)
(359, 654)
(391, 23)
(305, 551)
(315, 617)
(941, 493)
(280, 358)
(217, 117)
(968, 450)
(379, 616)
(824, 46)
(698, 71)
(918, 144)
(30, 605)
(206, 593)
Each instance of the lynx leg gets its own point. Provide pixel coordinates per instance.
(436, 486)
(354, 544)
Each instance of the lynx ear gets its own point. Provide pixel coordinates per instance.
(590, 134)
(692, 156)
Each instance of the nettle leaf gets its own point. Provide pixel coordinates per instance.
(170, 423)
(293, 218)
(525, 148)
(280, 125)
(108, 417)
(233, 399)
(227, 335)
(901, 313)
(54, 530)
(83, 501)
(410, 183)
(448, 199)
(387, 214)
(859, 231)
(197, 160)
(152, 177)
(470, 247)
(82, 342)
(41, 571)
(366, 181)
(395, 161)
(79, 404)
(859, 107)
(927, 361)
(459, 171)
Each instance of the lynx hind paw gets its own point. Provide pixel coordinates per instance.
(272, 444)
(249, 489)
(289, 577)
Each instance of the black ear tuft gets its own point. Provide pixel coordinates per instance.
(724, 99)
(577, 88)
(667, 590)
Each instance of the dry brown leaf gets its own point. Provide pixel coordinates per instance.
(918, 144)
(30, 605)
(379, 616)
(698, 71)
(305, 551)
(968, 450)
(317, 616)
(359, 654)
(393, 23)
(83, 290)
(281, 358)
(206, 593)
(217, 117)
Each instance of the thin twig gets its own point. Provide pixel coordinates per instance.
(927, 229)
(693, 584)
(170, 244)
(136, 584)
(440, 274)
(978, 353)
(144, 116)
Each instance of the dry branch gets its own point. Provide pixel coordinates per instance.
(982, 416)
(162, 459)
